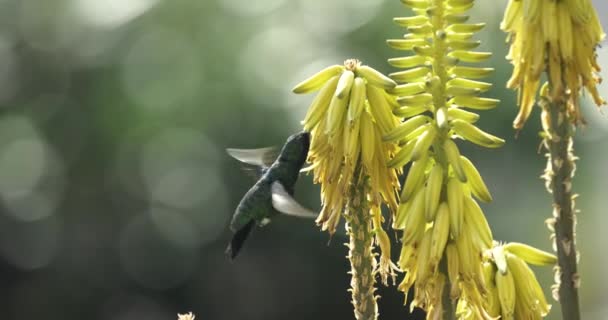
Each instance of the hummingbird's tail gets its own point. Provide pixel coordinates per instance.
(238, 239)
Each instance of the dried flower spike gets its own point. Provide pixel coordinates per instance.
(559, 37)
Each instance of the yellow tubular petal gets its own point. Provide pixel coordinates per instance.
(475, 103)
(407, 62)
(474, 180)
(506, 294)
(423, 50)
(422, 30)
(391, 99)
(408, 112)
(530, 254)
(462, 91)
(416, 133)
(453, 156)
(357, 100)
(474, 217)
(463, 44)
(460, 36)
(579, 10)
(352, 142)
(476, 135)
(459, 8)
(399, 222)
(411, 21)
(457, 113)
(456, 18)
(367, 140)
(565, 28)
(415, 100)
(414, 178)
(405, 128)
(434, 185)
(316, 81)
(465, 83)
(410, 75)
(337, 109)
(441, 232)
(459, 27)
(512, 13)
(416, 4)
(424, 142)
(405, 44)
(320, 104)
(455, 197)
(374, 77)
(414, 219)
(345, 84)
(471, 72)
(402, 157)
(465, 251)
(470, 56)
(380, 109)
(549, 21)
(527, 287)
(457, 3)
(409, 89)
(424, 266)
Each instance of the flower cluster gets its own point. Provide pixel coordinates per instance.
(559, 37)
(438, 212)
(513, 292)
(347, 120)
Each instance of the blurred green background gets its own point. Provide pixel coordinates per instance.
(115, 190)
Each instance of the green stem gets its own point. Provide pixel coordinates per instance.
(560, 171)
(449, 313)
(362, 260)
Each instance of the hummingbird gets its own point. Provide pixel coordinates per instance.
(273, 192)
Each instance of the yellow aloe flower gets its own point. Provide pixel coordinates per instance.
(347, 120)
(440, 218)
(513, 292)
(559, 37)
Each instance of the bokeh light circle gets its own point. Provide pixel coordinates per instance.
(111, 13)
(152, 261)
(30, 245)
(251, 8)
(31, 174)
(180, 168)
(330, 19)
(161, 69)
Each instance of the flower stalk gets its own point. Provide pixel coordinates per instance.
(360, 255)
(560, 169)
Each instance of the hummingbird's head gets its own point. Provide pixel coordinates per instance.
(296, 148)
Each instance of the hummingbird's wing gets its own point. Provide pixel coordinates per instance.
(257, 159)
(263, 157)
(283, 202)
